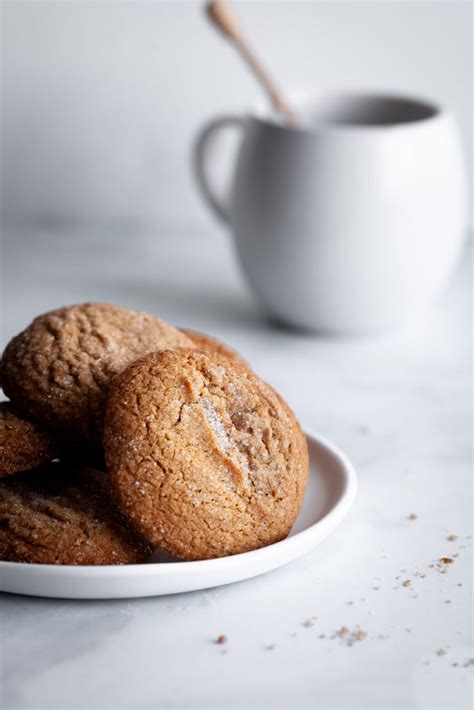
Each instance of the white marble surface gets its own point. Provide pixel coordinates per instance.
(400, 408)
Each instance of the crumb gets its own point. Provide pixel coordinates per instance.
(308, 623)
(414, 596)
(293, 635)
(459, 584)
(456, 554)
(426, 663)
(270, 647)
(441, 652)
(455, 665)
(412, 516)
(348, 603)
(376, 589)
(360, 634)
(222, 639)
(343, 631)
(224, 651)
(408, 630)
(407, 583)
(322, 636)
(446, 560)
(452, 538)
(382, 637)
(363, 429)
(469, 662)
(447, 601)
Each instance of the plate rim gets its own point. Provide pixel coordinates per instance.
(344, 502)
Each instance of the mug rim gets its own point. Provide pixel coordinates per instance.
(428, 110)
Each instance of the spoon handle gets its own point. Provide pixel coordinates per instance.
(223, 17)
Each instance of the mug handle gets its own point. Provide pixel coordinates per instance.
(219, 204)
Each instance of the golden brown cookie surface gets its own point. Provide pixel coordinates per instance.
(211, 345)
(204, 459)
(62, 515)
(59, 368)
(23, 444)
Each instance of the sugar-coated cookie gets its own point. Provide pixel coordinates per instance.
(58, 514)
(204, 459)
(59, 368)
(23, 444)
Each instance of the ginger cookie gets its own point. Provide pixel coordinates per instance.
(58, 370)
(23, 444)
(207, 344)
(62, 515)
(204, 459)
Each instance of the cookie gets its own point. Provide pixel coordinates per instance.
(62, 515)
(58, 370)
(23, 444)
(211, 345)
(204, 459)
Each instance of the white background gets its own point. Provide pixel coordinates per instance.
(101, 100)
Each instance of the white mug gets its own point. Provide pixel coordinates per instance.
(349, 222)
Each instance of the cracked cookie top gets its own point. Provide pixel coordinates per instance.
(205, 460)
(59, 368)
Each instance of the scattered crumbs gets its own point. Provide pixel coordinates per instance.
(223, 652)
(308, 623)
(441, 652)
(462, 547)
(270, 647)
(452, 538)
(459, 584)
(414, 596)
(407, 583)
(396, 587)
(455, 664)
(362, 600)
(349, 637)
(456, 554)
(408, 630)
(420, 575)
(469, 662)
(398, 577)
(349, 603)
(431, 565)
(412, 516)
(447, 601)
(322, 636)
(376, 589)
(446, 560)
(222, 639)
(403, 570)
(382, 637)
(426, 663)
(363, 429)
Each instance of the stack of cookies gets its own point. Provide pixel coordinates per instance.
(123, 434)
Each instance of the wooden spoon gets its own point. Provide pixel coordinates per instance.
(223, 17)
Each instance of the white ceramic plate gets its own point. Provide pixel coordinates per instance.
(331, 489)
